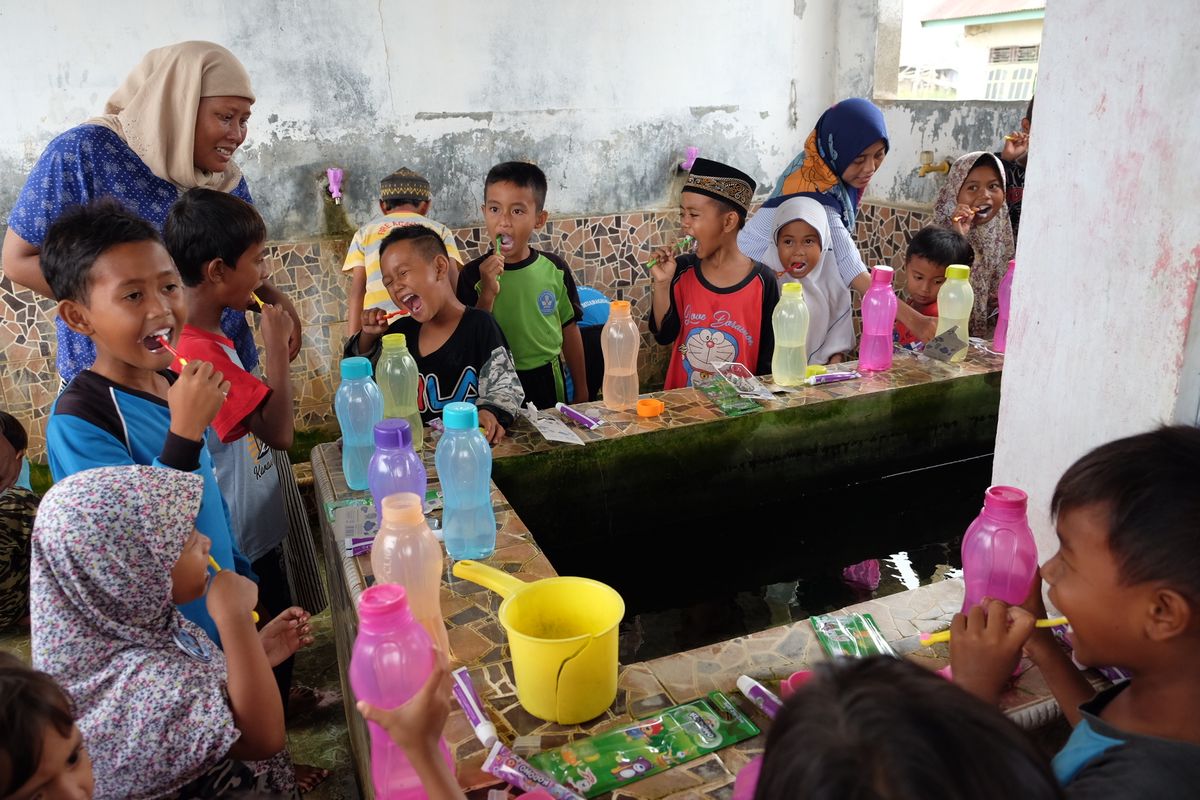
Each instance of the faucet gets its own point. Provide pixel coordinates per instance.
(927, 165)
(335, 184)
(687, 163)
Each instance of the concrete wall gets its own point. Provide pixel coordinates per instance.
(605, 97)
(1105, 338)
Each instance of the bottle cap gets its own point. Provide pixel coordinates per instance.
(393, 433)
(460, 417)
(403, 508)
(1005, 499)
(793, 288)
(958, 272)
(380, 605)
(355, 368)
(619, 306)
(881, 274)
(394, 340)
(650, 407)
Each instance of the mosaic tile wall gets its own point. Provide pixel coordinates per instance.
(603, 251)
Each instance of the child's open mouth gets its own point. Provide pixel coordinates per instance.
(413, 303)
(982, 213)
(506, 242)
(152, 341)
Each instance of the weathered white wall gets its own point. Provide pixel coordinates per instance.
(604, 96)
(1105, 326)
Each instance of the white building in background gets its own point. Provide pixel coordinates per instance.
(970, 49)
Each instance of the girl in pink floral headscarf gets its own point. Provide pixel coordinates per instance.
(164, 713)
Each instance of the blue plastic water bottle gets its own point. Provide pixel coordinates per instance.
(394, 466)
(359, 405)
(464, 468)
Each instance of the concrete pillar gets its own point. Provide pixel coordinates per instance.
(1104, 334)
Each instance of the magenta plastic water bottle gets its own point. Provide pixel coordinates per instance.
(878, 320)
(395, 466)
(999, 554)
(392, 659)
(1004, 299)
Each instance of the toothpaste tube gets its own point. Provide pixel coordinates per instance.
(758, 694)
(468, 699)
(577, 417)
(831, 377)
(508, 766)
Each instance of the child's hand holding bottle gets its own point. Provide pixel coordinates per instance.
(195, 398)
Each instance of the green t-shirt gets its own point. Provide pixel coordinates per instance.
(537, 298)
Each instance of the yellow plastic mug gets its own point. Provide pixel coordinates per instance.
(562, 633)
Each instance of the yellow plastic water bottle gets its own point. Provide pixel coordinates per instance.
(398, 379)
(789, 363)
(955, 301)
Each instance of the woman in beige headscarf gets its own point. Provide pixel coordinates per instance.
(174, 123)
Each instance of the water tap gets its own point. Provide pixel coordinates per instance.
(335, 184)
(927, 165)
(687, 163)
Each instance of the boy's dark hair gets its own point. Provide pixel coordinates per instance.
(80, 236)
(205, 224)
(427, 241)
(29, 701)
(1150, 484)
(1029, 110)
(13, 431)
(393, 203)
(940, 246)
(868, 729)
(523, 174)
(726, 207)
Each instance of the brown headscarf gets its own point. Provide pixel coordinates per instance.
(154, 109)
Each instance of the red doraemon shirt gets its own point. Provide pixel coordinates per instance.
(709, 324)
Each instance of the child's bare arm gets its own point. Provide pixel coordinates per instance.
(1066, 682)
(660, 276)
(922, 327)
(572, 350)
(253, 695)
(354, 300)
(275, 420)
(489, 281)
(267, 292)
(374, 326)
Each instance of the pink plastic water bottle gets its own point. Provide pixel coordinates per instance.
(1004, 298)
(999, 554)
(878, 319)
(392, 659)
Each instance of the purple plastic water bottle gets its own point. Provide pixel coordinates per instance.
(395, 466)
(878, 320)
(1004, 299)
(999, 554)
(392, 660)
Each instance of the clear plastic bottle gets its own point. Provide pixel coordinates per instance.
(394, 467)
(789, 321)
(1004, 301)
(406, 553)
(956, 298)
(398, 379)
(464, 469)
(358, 405)
(878, 322)
(620, 342)
(391, 661)
(999, 553)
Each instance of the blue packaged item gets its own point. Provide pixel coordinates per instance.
(359, 405)
(464, 469)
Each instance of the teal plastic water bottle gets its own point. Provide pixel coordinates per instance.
(955, 300)
(398, 379)
(464, 469)
(358, 405)
(789, 363)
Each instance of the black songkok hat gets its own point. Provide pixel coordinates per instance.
(721, 182)
(404, 184)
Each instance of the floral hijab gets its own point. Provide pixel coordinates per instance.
(151, 686)
(154, 109)
(993, 241)
(830, 325)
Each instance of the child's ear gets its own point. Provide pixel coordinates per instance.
(441, 266)
(1025, 125)
(382, 209)
(540, 219)
(76, 316)
(1170, 615)
(213, 271)
(730, 223)
(423, 208)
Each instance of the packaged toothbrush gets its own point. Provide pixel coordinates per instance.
(616, 758)
(851, 635)
(724, 396)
